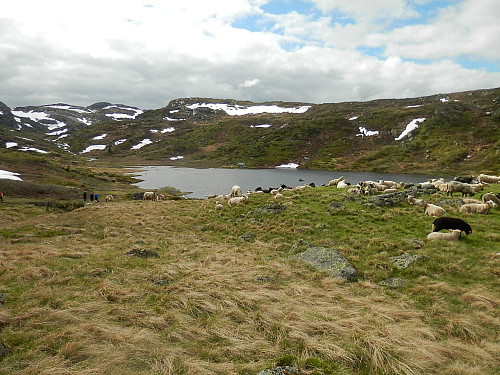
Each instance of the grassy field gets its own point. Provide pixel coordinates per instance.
(224, 295)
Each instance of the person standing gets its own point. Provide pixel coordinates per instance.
(96, 197)
(91, 197)
(85, 196)
(1, 197)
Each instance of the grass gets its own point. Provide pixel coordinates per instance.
(213, 303)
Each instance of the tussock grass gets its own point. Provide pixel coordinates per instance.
(213, 303)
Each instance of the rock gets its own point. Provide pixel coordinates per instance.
(143, 253)
(300, 246)
(270, 209)
(405, 260)
(264, 279)
(3, 298)
(393, 282)
(4, 349)
(248, 237)
(329, 260)
(162, 282)
(415, 243)
(335, 207)
(281, 370)
(450, 202)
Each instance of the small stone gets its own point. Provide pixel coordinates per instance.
(393, 282)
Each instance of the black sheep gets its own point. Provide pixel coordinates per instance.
(451, 223)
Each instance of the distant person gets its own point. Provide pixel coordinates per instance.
(1, 197)
(85, 196)
(96, 197)
(92, 197)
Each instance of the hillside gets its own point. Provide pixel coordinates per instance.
(455, 133)
(175, 287)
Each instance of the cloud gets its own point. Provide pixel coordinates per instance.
(147, 53)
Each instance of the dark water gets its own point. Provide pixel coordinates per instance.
(203, 182)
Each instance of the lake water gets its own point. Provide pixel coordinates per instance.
(203, 182)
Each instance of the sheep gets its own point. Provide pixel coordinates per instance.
(454, 235)
(218, 206)
(278, 196)
(235, 191)
(390, 190)
(488, 178)
(472, 200)
(465, 179)
(149, 196)
(490, 197)
(471, 208)
(389, 184)
(343, 184)
(445, 222)
(110, 198)
(237, 200)
(415, 202)
(335, 181)
(433, 210)
(455, 186)
(160, 197)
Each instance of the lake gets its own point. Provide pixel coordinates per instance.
(203, 182)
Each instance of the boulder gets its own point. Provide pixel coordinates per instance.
(323, 258)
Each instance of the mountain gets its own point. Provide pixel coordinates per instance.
(446, 133)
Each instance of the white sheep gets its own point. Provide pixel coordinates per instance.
(110, 198)
(389, 184)
(237, 200)
(335, 181)
(472, 200)
(160, 197)
(433, 210)
(278, 196)
(416, 202)
(453, 235)
(235, 191)
(490, 197)
(149, 196)
(218, 206)
(488, 178)
(459, 187)
(474, 208)
(342, 185)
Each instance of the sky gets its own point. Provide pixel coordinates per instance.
(146, 53)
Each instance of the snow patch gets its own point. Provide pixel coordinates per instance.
(120, 141)
(6, 175)
(177, 157)
(33, 149)
(414, 106)
(10, 144)
(410, 127)
(98, 137)
(58, 132)
(92, 148)
(141, 144)
(239, 110)
(173, 119)
(261, 126)
(288, 166)
(167, 130)
(353, 118)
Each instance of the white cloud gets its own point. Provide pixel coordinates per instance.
(145, 54)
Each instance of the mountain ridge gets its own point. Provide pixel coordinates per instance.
(228, 132)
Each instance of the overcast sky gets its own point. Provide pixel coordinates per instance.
(146, 53)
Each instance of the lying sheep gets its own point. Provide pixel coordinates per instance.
(415, 202)
(343, 184)
(471, 200)
(235, 191)
(433, 210)
(278, 196)
(451, 223)
(453, 235)
(489, 179)
(490, 197)
(237, 200)
(218, 206)
(474, 208)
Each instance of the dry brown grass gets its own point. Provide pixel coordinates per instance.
(79, 305)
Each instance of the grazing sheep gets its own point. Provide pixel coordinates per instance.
(415, 202)
(235, 191)
(110, 198)
(472, 208)
(490, 197)
(465, 179)
(149, 196)
(433, 210)
(454, 235)
(451, 223)
(218, 206)
(335, 181)
(489, 179)
(278, 196)
(160, 197)
(237, 200)
(459, 187)
(211, 196)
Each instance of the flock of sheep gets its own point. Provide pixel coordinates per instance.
(467, 186)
